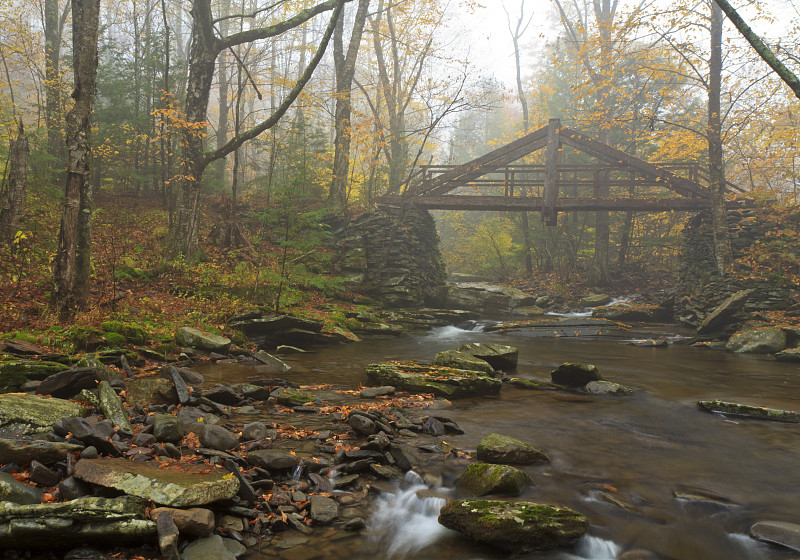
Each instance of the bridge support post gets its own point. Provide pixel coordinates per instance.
(551, 164)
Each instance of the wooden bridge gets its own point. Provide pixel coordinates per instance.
(493, 182)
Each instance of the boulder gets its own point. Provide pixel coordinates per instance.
(499, 356)
(567, 327)
(147, 391)
(29, 414)
(462, 360)
(720, 317)
(595, 300)
(272, 459)
(268, 360)
(23, 449)
(373, 392)
(781, 533)
(639, 313)
(441, 381)
(114, 522)
(167, 428)
(362, 425)
(532, 384)
(575, 375)
(294, 397)
(607, 388)
(256, 430)
(195, 338)
(191, 522)
(516, 527)
(484, 478)
(68, 383)
(475, 296)
(217, 437)
(789, 355)
(112, 407)
(749, 411)
(764, 340)
(15, 373)
(14, 491)
(224, 394)
(183, 486)
(323, 509)
(496, 448)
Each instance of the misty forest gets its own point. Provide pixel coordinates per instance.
(394, 279)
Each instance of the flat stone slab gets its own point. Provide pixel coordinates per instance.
(21, 413)
(441, 381)
(777, 532)
(568, 327)
(22, 450)
(119, 521)
(749, 411)
(176, 485)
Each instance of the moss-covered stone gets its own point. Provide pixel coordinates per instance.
(575, 375)
(484, 478)
(497, 448)
(462, 360)
(130, 332)
(14, 373)
(195, 338)
(112, 407)
(760, 412)
(441, 381)
(29, 414)
(295, 397)
(532, 384)
(516, 527)
(500, 356)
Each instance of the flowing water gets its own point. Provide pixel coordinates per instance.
(618, 460)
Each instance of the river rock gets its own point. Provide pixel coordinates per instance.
(294, 397)
(114, 522)
(91, 433)
(186, 485)
(195, 338)
(532, 384)
(485, 298)
(607, 388)
(441, 381)
(12, 490)
(112, 407)
(268, 360)
(23, 449)
(639, 313)
(217, 437)
(499, 356)
(462, 360)
(777, 532)
(69, 383)
(720, 317)
(496, 448)
(516, 527)
(256, 430)
(760, 412)
(789, 355)
(272, 459)
(764, 340)
(484, 478)
(362, 425)
(567, 327)
(373, 392)
(191, 522)
(324, 510)
(147, 391)
(223, 394)
(575, 375)
(29, 414)
(594, 300)
(14, 373)
(208, 548)
(167, 428)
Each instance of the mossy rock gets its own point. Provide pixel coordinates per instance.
(575, 375)
(484, 478)
(516, 527)
(29, 414)
(441, 381)
(131, 332)
(462, 360)
(497, 448)
(294, 397)
(13, 373)
(532, 384)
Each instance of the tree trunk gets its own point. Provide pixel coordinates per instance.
(224, 106)
(716, 168)
(52, 44)
(345, 67)
(13, 206)
(72, 261)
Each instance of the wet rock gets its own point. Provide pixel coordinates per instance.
(294, 397)
(575, 375)
(217, 437)
(497, 448)
(387, 472)
(362, 425)
(11, 490)
(515, 527)
(192, 415)
(167, 428)
(268, 360)
(499, 356)
(208, 548)
(22, 450)
(112, 407)
(90, 453)
(594, 300)
(441, 381)
(433, 427)
(147, 391)
(749, 411)
(189, 376)
(272, 459)
(42, 475)
(195, 338)
(180, 385)
(374, 392)
(69, 383)
(29, 414)
(638, 313)
(191, 522)
(777, 532)
(764, 340)
(223, 394)
(96, 434)
(323, 510)
(721, 316)
(355, 524)
(567, 327)
(486, 297)
(638, 554)
(403, 456)
(789, 355)
(254, 392)
(115, 522)
(484, 478)
(608, 388)
(462, 360)
(191, 485)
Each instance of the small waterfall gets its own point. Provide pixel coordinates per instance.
(298, 470)
(595, 548)
(403, 523)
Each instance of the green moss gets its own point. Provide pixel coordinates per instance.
(114, 340)
(131, 332)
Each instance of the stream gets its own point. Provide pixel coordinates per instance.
(618, 460)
